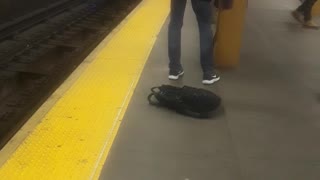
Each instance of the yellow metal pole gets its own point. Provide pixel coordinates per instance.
(229, 34)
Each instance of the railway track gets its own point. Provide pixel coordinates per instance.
(36, 60)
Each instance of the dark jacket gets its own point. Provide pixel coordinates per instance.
(223, 4)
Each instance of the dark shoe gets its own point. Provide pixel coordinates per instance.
(298, 16)
(210, 78)
(175, 74)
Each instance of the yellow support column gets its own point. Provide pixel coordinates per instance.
(229, 34)
(316, 9)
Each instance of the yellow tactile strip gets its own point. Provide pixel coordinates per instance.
(73, 139)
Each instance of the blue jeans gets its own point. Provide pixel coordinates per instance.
(203, 11)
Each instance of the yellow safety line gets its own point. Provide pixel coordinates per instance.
(74, 138)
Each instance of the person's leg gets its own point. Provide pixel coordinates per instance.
(302, 7)
(203, 11)
(303, 13)
(174, 38)
(298, 14)
(307, 14)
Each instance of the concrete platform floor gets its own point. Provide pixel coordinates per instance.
(268, 128)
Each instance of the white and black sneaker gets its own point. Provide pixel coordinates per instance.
(210, 78)
(175, 74)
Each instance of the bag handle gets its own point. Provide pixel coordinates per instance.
(153, 102)
(153, 89)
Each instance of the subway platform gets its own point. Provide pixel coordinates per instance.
(99, 124)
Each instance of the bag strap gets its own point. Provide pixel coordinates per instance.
(153, 89)
(151, 101)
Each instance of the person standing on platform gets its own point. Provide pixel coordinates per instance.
(203, 12)
(303, 14)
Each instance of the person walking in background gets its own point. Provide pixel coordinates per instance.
(303, 14)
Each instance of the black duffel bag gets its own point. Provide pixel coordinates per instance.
(195, 102)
